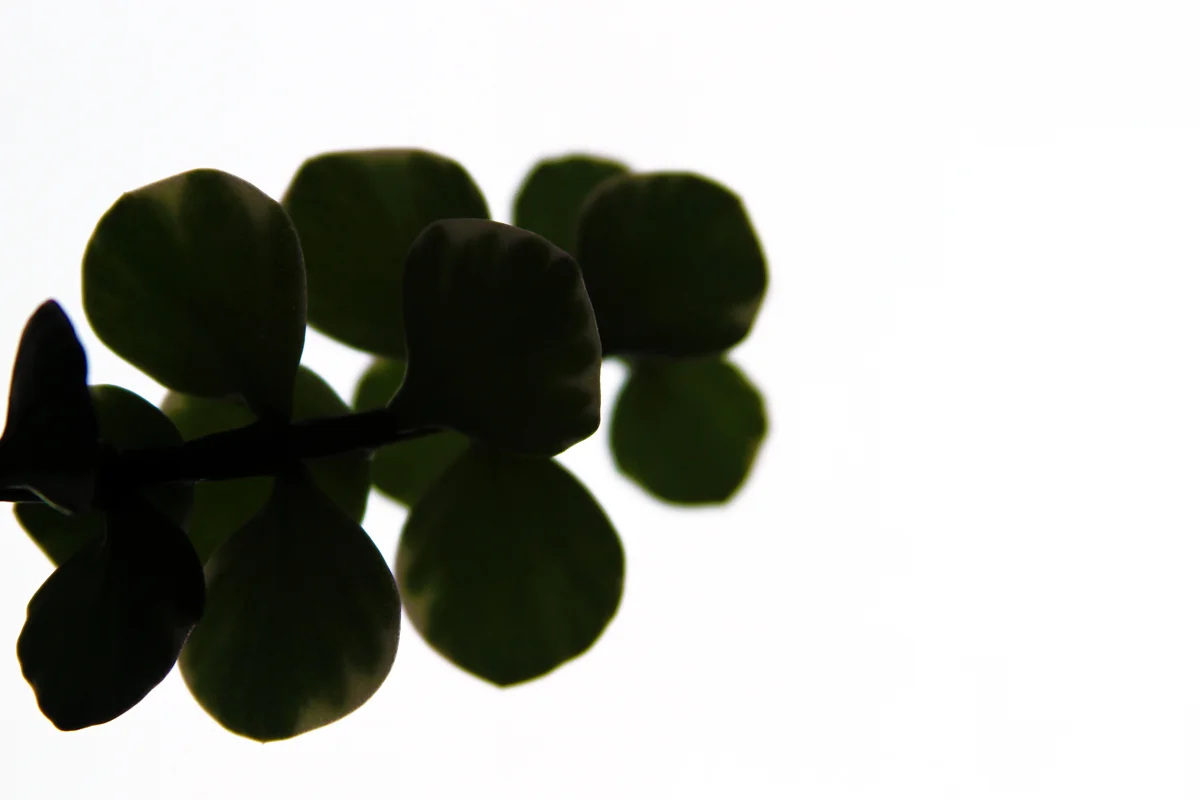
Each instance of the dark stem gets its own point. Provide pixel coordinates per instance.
(257, 449)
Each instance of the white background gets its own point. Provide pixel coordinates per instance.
(964, 567)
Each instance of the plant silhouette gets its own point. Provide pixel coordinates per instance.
(221, 528)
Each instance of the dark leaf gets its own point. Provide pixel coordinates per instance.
(199, 280)
(222, 507)
(672, 264)
(508, 567)
(50, 443)
(553, 193)
(502, 342)
(126, 422)
(403, 471)
(688, 431)
(302, 623)
(107, 626)
(358, 213)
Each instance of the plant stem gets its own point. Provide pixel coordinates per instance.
(257, 449)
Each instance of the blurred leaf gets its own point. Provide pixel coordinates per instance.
(688, 431)
(127, 422)
(198, 279)
(672, 264)
(302, 623)
(107, 626)
(553, 193)
(222, 507)
(501, 337)
(405, 470)
(50, 443)
(508, 567)
(357, 213)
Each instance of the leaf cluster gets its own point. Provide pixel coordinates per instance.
(221, 529)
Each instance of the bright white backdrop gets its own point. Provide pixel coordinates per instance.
(964, 566)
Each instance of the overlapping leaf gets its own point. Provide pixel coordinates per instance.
(126, 421)
(508, 566)
(358, 213)
(552, 195)
(222, 507)
(405, 470)
(302, 622)
(672, 264)
(502, 342)
(198, 280)
(688, 431)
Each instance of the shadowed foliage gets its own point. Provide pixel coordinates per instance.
(223, 531)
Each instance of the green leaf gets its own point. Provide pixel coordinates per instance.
(502, 341)
(302, 623)
(672, 264)
(688, 431)
(508, 567)
(358, 213)
(198, 280)
(107, 626)
(405, 470)
(127, 422)
(223, 507)
(50, 443)
(552, 196)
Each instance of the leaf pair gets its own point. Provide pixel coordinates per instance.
(507, 565)
(493, 323)
(108, 624)
(199, 280)
(303, 614)
(671, 261)
(676, 277)
(223, 507)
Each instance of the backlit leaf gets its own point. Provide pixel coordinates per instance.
(302, 623)
(688, 431)
(358, 212)
(672, 264)
(508, 567)
(107, 626)
(502, 342)
(198, 280)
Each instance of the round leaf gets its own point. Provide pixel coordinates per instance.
(502, 341)
(302, 623)
(198, 280)
(107, 626)
(358, 213)
(553, 193)
(688, 431)
(127, 422)
(222, 507)
(508, 567)
(50, 443)
(405, 470)
(672, 264)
